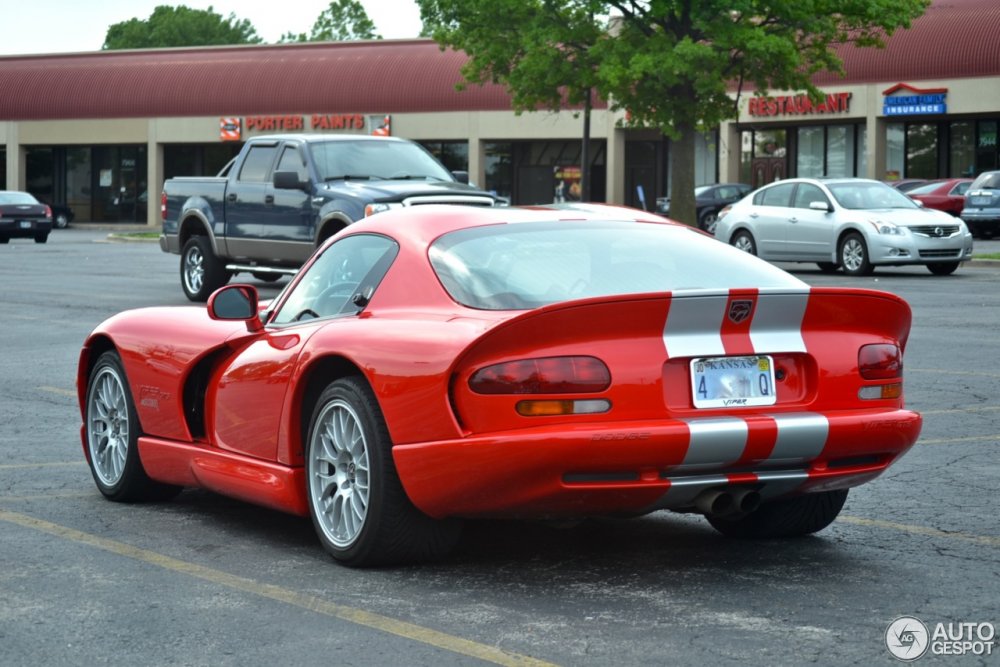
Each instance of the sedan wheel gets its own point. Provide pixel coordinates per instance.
(854, 256)
(743, 241)
(112, 436)
(61, 221)
(943, 268)
(709, 221)
(358, 506)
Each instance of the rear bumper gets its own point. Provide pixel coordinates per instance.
(170, 244)
(640, 466)
(14, 229)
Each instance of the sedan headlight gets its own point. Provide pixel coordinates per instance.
(889, 228)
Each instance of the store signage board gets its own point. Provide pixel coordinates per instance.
(906, 100)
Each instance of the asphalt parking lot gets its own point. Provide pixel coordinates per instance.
(203, 580)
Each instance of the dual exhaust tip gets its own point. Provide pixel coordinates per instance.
(726, 502)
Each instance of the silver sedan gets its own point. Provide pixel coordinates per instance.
(854, 224)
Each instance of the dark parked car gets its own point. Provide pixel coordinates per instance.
(946, 195)
(982, 205)
(61, 215)
(709, 200)
(23, 216)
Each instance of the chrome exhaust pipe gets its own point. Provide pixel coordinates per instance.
(715, 502)
(745, 500)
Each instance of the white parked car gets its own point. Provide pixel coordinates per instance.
(851, 223)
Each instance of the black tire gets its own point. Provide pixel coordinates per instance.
(853, 256)
(41, 238)
(112, 430)
(827, 267)
(708, 221)
(802, 515)
(943, 268)
(201, 271)
(744, 241)
(4, 239)
(267, 277)
(61, 221)
(359, 509)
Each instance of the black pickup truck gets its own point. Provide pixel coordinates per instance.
(282, 196)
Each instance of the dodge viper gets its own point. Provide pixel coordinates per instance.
(441, 363)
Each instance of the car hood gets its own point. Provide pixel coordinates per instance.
(908, 217)
(397, 190)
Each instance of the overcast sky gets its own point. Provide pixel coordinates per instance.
(50, 26)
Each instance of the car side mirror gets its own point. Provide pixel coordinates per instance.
(820, 206)
(461, 176)
(236, 302)
(288, 180)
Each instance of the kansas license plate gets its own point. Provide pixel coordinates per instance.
(732, 382)
(25, 224)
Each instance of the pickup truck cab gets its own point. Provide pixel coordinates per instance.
(282, 196)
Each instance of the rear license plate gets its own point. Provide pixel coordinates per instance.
(732, 382)
(24, 224)
(980, 201)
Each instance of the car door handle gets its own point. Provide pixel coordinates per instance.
(269, 199)
(231, 197)
(793, 220)
(754, 215)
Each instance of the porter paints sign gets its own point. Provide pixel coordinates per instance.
(905, 100)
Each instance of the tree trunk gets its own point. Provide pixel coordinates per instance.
(682, 207)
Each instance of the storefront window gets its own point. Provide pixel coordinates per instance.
(40, 173)
(454, 155)
(921, 150)
(986, 146)
(809, 157)
(840, 150)
(769, 143)
(499, 168)
(78, 174)
(962, 149)
(746, 155)
(862, 151)
(894, 151)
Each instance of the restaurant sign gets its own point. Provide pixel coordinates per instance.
(906, 100)
(798, 105)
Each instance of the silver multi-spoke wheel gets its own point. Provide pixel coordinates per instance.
(194, 269)
(339, 473)
(743, 241)
(854, 256)
(108, 425)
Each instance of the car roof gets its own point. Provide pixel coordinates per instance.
(424, 223)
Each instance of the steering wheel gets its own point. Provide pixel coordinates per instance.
(326, 298)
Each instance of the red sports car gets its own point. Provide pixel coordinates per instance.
(439, 363)
(947, 195)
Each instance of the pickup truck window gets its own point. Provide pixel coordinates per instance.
(380, 160)
(257, 164)
(291, 160)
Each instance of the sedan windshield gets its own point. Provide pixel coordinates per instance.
(527, 265)
(867, 195)
(371, 159)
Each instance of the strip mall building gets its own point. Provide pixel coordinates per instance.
(100, 132)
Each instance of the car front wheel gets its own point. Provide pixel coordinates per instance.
(201, 271)
(794, 517)
(709, 221)
(854, 256)
(743, 241)
(112, 430)
(943, 268)
(361, 513)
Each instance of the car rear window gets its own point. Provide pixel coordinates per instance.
(526, 265)
(17, 198)
(988, 180)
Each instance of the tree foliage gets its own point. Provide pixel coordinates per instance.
(180, 26)
(672, 65)
(342, 21)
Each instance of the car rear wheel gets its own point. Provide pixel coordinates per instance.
(112, 430)
(41, 238)
(61, 221)
(201, 271)
(854, 256)
(794, 517)
(358, 506)
(943, 268)
(827, 267)
(4, 239)
(743, 241)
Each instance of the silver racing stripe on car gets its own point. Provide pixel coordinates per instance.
(801, 437)
(777, 323)
(714, 442)
(694, 326)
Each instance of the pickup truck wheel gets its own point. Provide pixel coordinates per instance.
(201, 271)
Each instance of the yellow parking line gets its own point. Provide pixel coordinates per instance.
(54, 464)
(948, 441)
(47, 496)
(946, 371)
(955, 411)
(985, 540)
(58, 390)
(309, 602)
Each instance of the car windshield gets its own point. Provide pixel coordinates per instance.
(926, 189)
(17, 198)
(373, 159)
(987, 181)
(866, 195)
(527, 265)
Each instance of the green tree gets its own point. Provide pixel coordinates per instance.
(180, 26)
(342, 21)
(539, 50)
(672, 65)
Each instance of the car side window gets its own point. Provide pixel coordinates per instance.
(808, 193)
(341, 281)
(776, 195)
(292, 160)
(257, 163)
(960, 188)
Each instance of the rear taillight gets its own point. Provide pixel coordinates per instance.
(163, 206)
(881, 361)
(548, 375)
(48, 211)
